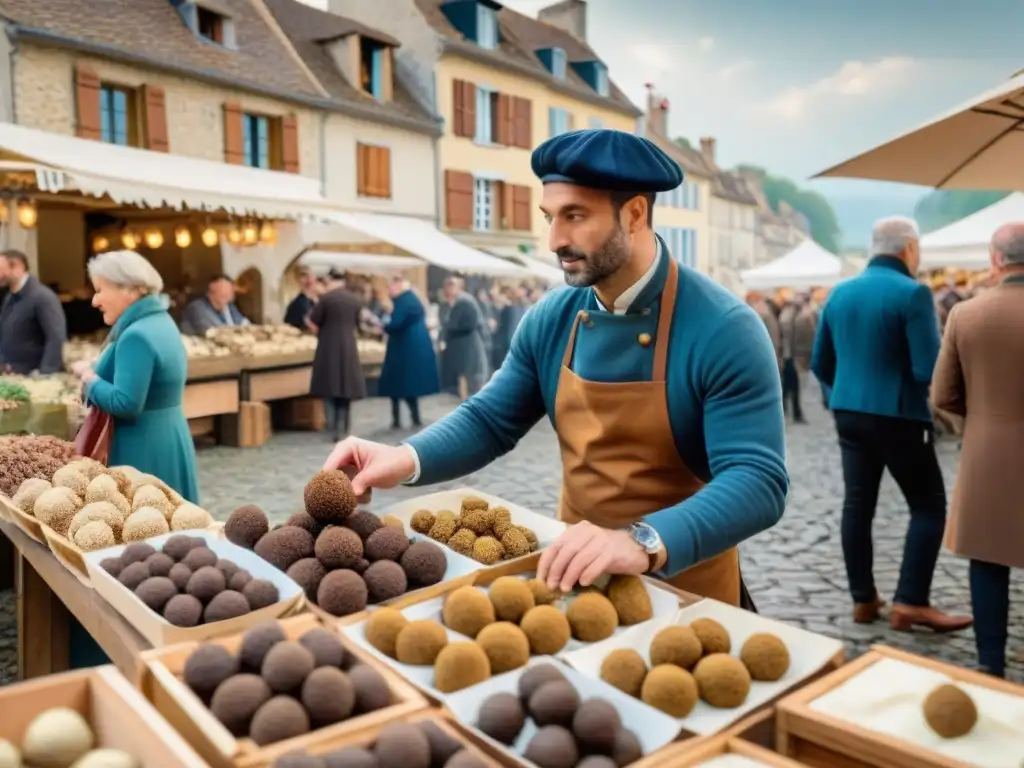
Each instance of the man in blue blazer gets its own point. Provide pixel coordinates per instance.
(875, 350)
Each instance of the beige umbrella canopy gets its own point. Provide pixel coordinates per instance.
(978, 145)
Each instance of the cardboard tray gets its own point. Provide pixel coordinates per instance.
(157, 631)
(120, 716)
(719, 752)
(28, 524)
(162, 684)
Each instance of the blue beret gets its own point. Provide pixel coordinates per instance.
(606, 159)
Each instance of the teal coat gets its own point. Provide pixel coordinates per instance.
(140, 381)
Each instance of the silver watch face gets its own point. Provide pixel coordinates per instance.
(645, 536)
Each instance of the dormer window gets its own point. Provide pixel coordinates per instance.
(595, 73)
(371, 66)
(601, 79)
(210, 25)
(209, 21)
(486, 26)
(477, 20)
(555, 60)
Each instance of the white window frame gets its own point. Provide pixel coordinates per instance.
(484, 115)
(559, 62)
(483, 204)
(681, 243)
(601, 83)
(596, 123)
(558, 121)
(486, 26)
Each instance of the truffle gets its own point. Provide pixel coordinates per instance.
(183, 611)
(328, 696)
(385, 580)
(246, 526)
(542, 594)
(307, 573)
(93, 536)
(236, 700)
(27, 493)
(155, 592)
(75, 481)
(133, 575)
(298, 759)
(515, 543)
(342, 593)
(100, 488)
(124, 483)
(180, 574)
(363, 523)
(144, 523)
(351, 757)
(475, 503)
(627, 748)
(596, 761)
(226, 605)
(766, 657)
(177, 546)
(112, 565)
(190, 517)
(506, 646)
(443, 746)
(329, 496)
(488, 550)
(208, 666)
(56, 738)
(462, 541)
(595, 725)
(676, 644)
(386, 544)
(422, 521)
(102, 511)
(326, 648)
(280, 718)
(723, 680)
(670, 689)
(467, 610)
(511, 597)
(106, 758)
(393, 522)
(424, 564)
(338, 547)
(402, 745)
(420, 642)
(713, 636)
(257, 641)
(285, 547)
(285, 666)
(382, 630)
(592, 617)
(552, 747)
(302, 519)
(55, 507)
(531, 537)
(239, 580)
(206, 583)
(536, 676)
(631, 600)
(227, 567)
(950, 712)
(153, 497)
(501, 717)
(372, 691)
(460, 665)
(443, 527)
(160, 564)
(260, 593)
(477, 521)
(625, 669)
(554, 703)
(136, 553)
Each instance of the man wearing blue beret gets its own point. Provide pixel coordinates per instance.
(662, 387)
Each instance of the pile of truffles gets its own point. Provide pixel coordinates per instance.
(691, 662)
(95, 507)
(187, 583)
(422, 744)
(343, 559)
(950, 711)
(480, 531)
(258, 340)
(275, 688)
(570, 733)
(30, 456)
(61, 738)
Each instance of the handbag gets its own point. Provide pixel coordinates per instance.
(93, 439)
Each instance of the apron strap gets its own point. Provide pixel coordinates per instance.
(571, 345)
(668, 305)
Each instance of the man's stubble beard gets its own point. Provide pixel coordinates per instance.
(602, 263)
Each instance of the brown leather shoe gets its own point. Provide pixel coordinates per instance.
(866, 613)
(903, 618)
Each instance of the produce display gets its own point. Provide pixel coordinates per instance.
(479, 531)
(52, 389)
(198, 348)
(82, 348)
(30, 456)
(274, 689)
(258, 340)
(950, 711)
(371, 351)
(60, 737)
(343, 559)
(95, 507)
(12, 395)
(570, 731)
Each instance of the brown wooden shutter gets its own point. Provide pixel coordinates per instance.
(362, 169)
(383, 164)
(458, 199)
(290, 144)
(458, 108)
(570, 121)
(154, 114)
(234, 139)
(503, 204)
(506, 131)
(87, 102)
(521, 208)
(522, 116)
(468, 109)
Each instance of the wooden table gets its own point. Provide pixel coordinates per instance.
(48, 594)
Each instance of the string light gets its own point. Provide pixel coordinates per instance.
(100, 243)
(129, 240)
(182, 237)
(28, 214)
(210, 237)
(268, 233)
(250, 233)
(235, 236)
(153, 238)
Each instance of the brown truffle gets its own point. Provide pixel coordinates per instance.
(208, 666)
(329, 496)
(402, 745)
(676, 644)
(160, 564)
(325, 646)
(596, 761)
(328, 696)
(467, 610)
(239, 580)
(631, 600)
(536, 676)
(424, 564)
(462, 541)
(422, 521)
(183, 611)
(206, 583)
(488, 550)
(180, 575)
(227, 567)
(554, 703)
(364, 523)
(112, 565)
(627, 748)
(475, 504)
(385, 580)
(372, 691)
(443, 528)
(547, 629)
(950, 712)
(236, 700)
(257, 641)
(477, 521)
(307, 573)
(595, 726)
(350, 757)
(302, 519)
(592, 617)
(338, 547)
(506, 646)
(625, 669)
(542, 595)
(501, 717)
(280, 718)
(766, 657)
(226, 605)
(393, 522)
(723, 680)
(460, 665)
(713, 636)
(443, 746)
(155, 592)
(552, 747)
(386, 544)
(260, 593)
(285, 666)
(133, 575)
(136, 552)
(246, 526)
(382, 630)
(670, 689)
(515, 543)
(285, 547)
(200, 557)
(419, 642)
(511, 597)
(342, 593)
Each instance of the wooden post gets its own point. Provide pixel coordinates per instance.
(43, 623)
(6, 564)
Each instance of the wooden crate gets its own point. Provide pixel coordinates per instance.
(210, 398)
(162, 684)
(214, 367)
(822, 741)
(279, 385)
(303, 413)
(696, 752)
(249, 428)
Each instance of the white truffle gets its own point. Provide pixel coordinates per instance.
(67, 477)
(101, 488)
(102, 511)
(189, 517)
(107, 758)
(94, 535)
(55, 507)
(88, 467)
(27, 493)
(56, 738)
(10, 757)
(151, 496)
(144, 523)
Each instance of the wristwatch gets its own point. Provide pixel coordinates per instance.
(649, 539)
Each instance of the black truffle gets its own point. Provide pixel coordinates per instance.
(208, 666)
(155, 592)
(227, 567)
(552, 747)
(226, 605)
(364, 523)
(183, 611)
(302, 519)
(177, 546)
(198, 541)
(133, 574)
(501, 717)
(465, 759)
(372, 691)
(285, 547)
(329, 497)
(236, 700)
(307, 573)
(326, 648)
(595, 726)
(285, 666)
(351, 757)
(402, 745)
(424, 564)
(239, 580)
(627, 748)
(361, 566)
(442, 744)
(260, 593)
(205, 583)
(200, 557)
(386, 543)
(136, 552)
(112, 565)
(596, 761)
(338, 547)
(554, 703)
(246, 525)
(278, 719)
(299, 759)
(180, 574)
(159, 564)
(385, 580)
(342, 593)
(328, 696)
(257, 641)
(536, 676)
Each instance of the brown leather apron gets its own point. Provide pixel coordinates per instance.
(619, 457)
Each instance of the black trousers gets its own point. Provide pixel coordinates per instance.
(791, 389)
(396, 410)
(990, 599)
(338, 413)
(871, 444)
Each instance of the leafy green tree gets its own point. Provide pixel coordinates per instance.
(683, 142)
(944, 206)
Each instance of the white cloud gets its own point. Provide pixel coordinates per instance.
(737, 68)
(705, 44)
(852, 79)
(655, 59)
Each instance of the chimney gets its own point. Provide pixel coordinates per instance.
(570, 15)
(707, 148)
(657, 112)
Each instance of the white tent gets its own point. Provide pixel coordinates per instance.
(806, 266)
(964, 244)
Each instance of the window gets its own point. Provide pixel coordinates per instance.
(601, 79)
(371, 67)
(256, 141)
(558, 63)
(596, 123)
(686, 195)
(117, 115)
(559, 120)
(682, 244)
(210, 25)
(486, 115)
(373, 171)
(486, 26)
(483, 204)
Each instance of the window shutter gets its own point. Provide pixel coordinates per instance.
(382, 171)
(290, 144)
(155, 118)
(523, 128)
(506, 128)
(87, 102)
(234, 141)
(468, 109)
(458, 199)
(570, 121)
(521, 212)
(362, 170)
(458, 108)
(503, 204)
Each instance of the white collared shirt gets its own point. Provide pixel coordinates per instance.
(628, 296)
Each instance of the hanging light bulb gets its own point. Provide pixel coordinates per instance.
(130, 240)
(3, 211)
(182, 236)
(268, 234)
(153, 238)
(251, 233)
(235, 236)
(28, 214)
(100, 243)
(210, 237)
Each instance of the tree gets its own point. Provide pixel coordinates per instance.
(815, 207)
(684, 142)
(944, 206)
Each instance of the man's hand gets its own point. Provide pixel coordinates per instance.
(376, 465)
(585, 552)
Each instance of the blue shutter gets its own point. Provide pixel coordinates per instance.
(377, 74)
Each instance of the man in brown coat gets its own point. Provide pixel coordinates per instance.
(980, 376)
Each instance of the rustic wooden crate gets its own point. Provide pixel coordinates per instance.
(696, 752)
(279, 385)
(210, 398)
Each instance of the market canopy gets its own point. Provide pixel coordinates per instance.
(141, 177)
(964, 244)
(806, 266)
(363, 263)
